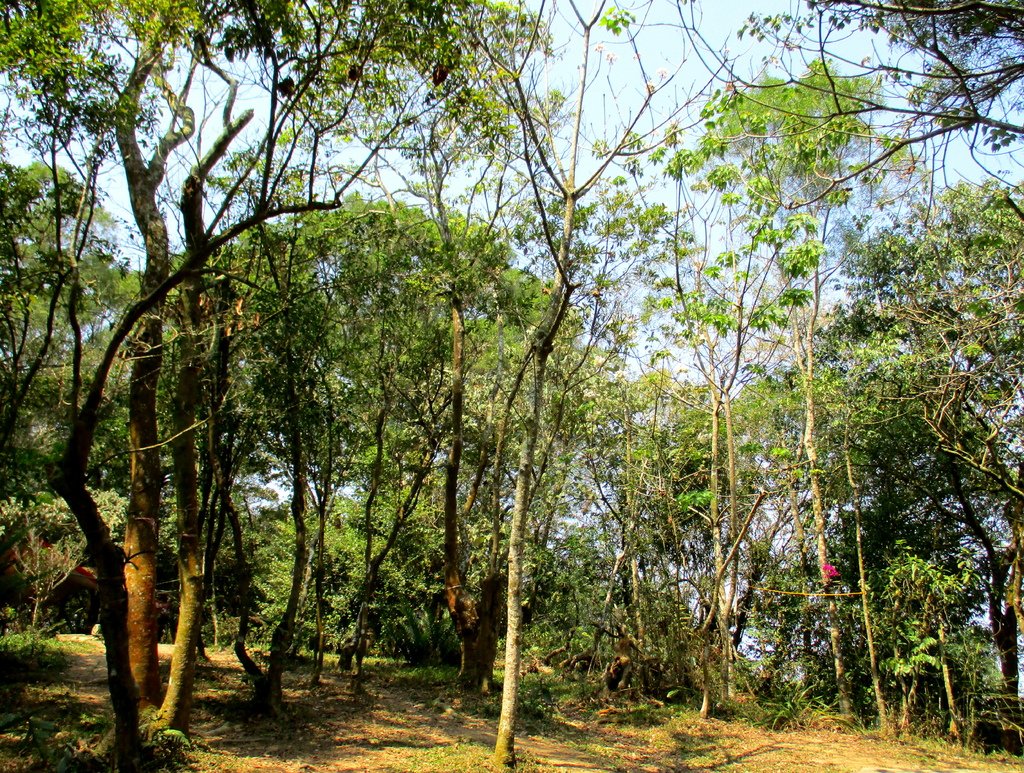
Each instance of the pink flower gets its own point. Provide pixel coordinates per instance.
(829, 572)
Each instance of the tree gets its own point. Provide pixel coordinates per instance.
(942, 285)
(59, 275)
(171, 53)
(553, 155)
(952, 70)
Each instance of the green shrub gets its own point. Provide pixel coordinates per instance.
(419, 638)
(792, 705)
(29, 651)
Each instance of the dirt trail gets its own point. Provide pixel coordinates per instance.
(395, 724)
(364, 732)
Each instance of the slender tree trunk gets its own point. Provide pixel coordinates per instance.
(504, 750)
(269, 690)
(718, 594)
(543, 343)
(145, 474)
(244, 579)
(489, 609)
(727, 611)
(818, 508)
(869, 629)
(805, 560)
(489, 605)
(955, 722)
(606, 607)
(318, 589)
(221, 464)
(461, 605)
(705, 670)
(177, 705)
(307, 579)
(69, 481)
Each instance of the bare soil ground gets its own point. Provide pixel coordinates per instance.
(416, 720)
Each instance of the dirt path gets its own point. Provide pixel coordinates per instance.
(380, 730)
(395, 724)
(352, 733)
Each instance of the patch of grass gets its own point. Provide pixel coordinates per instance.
(413, 677)
(24, 654)
(442, 759)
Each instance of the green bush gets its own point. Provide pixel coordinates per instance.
(418, 638)
(791, 706)
(29, 651)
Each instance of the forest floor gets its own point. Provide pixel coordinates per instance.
(407, 719)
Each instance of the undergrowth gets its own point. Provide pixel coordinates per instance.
(22, 654)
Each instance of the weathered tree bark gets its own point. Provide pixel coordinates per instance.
(142, 527)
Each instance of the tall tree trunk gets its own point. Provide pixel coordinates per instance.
(269, 689)
(835, 635)
(489, 605)
(1004, 634)
(221, 431)
(489, 608)
(69, 481)
(504, 750)
(461, 605)
(727, 608)
(177, 705)
(318, 590)
(717, 592)
(142, 526)
(869, 629)
(141, 533)
(1002, 586)
(543, 343)
(955, 722)
(145, 474)
(244, 580)
(606, 607)
(805, 350)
